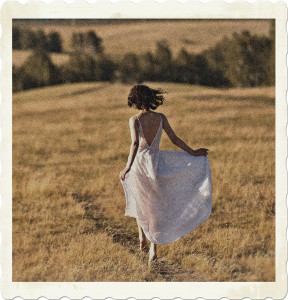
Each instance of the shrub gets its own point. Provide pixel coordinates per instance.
(79, 68)
(24, 38)
(129, 70)
(37, 71)
(147, 66)
(16, 37)
(242, 59)
(87, 42)
(54, 42)
(105, 68)
(28, 39)
(163, 62)
(183, 67)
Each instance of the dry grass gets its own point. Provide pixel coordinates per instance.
(194, 36)
(70, 143)
(19, 57)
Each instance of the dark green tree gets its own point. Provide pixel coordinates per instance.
(21, 80)
(79, 68)
(28, 39)
(39, 69)
(41, 40)
(272, 53)
(183, 67)
(163, 62)
(54, 42)
(247, 59)
(16, 82)
(77, 41)
(92, 43)
(203, 75)
(242, 60)
(216, 59)
(147, 65)
(87, 42)
(16, 37)
(105, 68)
(129, 70)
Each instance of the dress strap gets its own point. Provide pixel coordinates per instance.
(161, 123)
(138, 120)
(140, 127)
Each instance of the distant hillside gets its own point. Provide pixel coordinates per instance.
(122, 36)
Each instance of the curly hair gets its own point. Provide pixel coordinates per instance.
(142, 96)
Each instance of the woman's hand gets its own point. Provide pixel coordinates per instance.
(200, 152)
(123, 173)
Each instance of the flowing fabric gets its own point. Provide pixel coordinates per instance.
(168, 191)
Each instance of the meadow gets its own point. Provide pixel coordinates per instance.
(71, 141)
(139, 37)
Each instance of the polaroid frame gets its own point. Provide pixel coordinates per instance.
(145, 9)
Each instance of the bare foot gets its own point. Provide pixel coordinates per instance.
(152, 253)
(143, 242)
(152, 258)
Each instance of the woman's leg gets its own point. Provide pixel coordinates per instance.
(142, 238)
(152, 253)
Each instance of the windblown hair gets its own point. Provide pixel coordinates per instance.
(142, 96)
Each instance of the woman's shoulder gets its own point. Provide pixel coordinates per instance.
(133, 120)
(135, 117)
(162, 116)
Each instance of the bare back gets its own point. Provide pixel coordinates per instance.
(150, 123)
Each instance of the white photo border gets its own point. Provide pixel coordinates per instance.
(145, 9)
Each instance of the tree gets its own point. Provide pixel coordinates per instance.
(272, 52)
(24, 38)
(39, 69)
(54, 42)
(163, 53)
(79, 68)
(216, 59)
(21, 80)
(92, 43)
(147, 66)
(87, 42)
(247, 59)
(16, 82)
(77, 41)
(183, 67)
(104, 69)
(41, 40)
(28, 39)
(163, 61)
(129, 68)
(242, 59)
(16, 37)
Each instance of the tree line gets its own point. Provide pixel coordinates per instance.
(243, 60)
(26, 39)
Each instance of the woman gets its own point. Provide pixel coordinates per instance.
(169, 192)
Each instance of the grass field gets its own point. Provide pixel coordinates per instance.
(70, 143)
(138, 37)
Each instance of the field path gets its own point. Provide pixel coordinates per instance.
(70, 143)
(120, 235)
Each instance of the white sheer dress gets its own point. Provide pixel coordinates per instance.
(168, 191)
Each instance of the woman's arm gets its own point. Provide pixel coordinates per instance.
(133, 148)
(178, 142)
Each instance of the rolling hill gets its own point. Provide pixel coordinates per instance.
(71, 141)
(138, 36)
